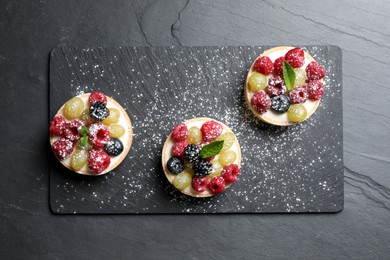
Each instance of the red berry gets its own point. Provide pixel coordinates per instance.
(314, 71)
(99, 135)
(211, 130)
(97, 97)
(180, 132)
(200, 183)
(98, 160)
(278, 66)
(295, 57)
(217, 184)
(315, 89)
(72, 130)
(57, 126)
(264, 65)
(209, 159)
(276, 86)
(261, 102)
(230, 173)
(178, 149)
(298, 95)
(63, 148)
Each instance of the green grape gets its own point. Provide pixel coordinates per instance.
(297, 113)
(74, 108)
(194, 135)
(116, 130)
(228, 140)
(257, 82)
(217, 169)
(300, 77)
(227, 157)
(86, 117)
(78, 159)
(182, 180)
(113, 117)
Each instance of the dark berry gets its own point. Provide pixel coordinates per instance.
(98, 160)
(276, 86)
(180, 132)
(295, 57)
(261, 102)
(202, 168)
(298, 95)
(97, 97)
(114, 147)
(99, 111)
(278, 66)
(230, 173)
(314, 71)
(315, 89)
(175, 165)
(191, 152)
(280, 104)
(62, 148)
(57, 126)
(211, 130)
(200, 183)
(178, 149)
(264, 65)
(98, 134)
(72, 130)
(217, 185)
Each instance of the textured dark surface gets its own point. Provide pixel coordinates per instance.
(284, 169)
(30, 29)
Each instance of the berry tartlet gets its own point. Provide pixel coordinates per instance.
(91, 134)
(284, 86)
(201, 157)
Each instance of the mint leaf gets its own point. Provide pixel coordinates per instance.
(84, 140)
(211, 149)
(84, 130)
(288, 75)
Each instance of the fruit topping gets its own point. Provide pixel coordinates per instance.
(86, 118)
(261, 102)
(113, 117)
(300, 77)
(298, 95)
(280, 104)
(73, 108)
(264, 65)
(276, 86)
(315, 89)
(175, 165)
(57, 126)
(79, 159)
(217, 185)
(314, 71)
(180, 132)
(297, 113)
(114, 147)
(178, 149)
(295, 57)
(227, 157)
(97, 97)
(211, 130)
(182, 180)
(99, 134)
(217, 169)
(194, 135)
(98, 160)
(257, 82)
(200, 183)
(62, 148)
(72, 130)
(202, 168)
(99, 111)
(191, 152)
(278, 66)
(116, 130)
(230, 173)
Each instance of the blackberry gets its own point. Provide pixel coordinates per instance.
(114, 147)
(191, 152)
(99, 111)
(280, 104)
(175, 165)
(202, 168)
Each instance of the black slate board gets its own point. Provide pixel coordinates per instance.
(284, 169)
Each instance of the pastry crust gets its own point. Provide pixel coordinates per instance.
(127, 145)
(274, 119)
(167, 153)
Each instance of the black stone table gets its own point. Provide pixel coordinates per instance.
(30, 29)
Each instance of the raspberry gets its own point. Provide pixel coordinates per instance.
(200, 183)
(264, 65)
(315, 89)
(211, 130)
(99, 134)
(217, 184)
(295, 57)
(278, 66)
(298, 95)
(62, 148)
(97, 97)
(57, 125)
(314, 71)
(180, 132)
(72, 130)
(98, 160)
(178, 149)
(276, 86)
(230, 173)
(261, 102)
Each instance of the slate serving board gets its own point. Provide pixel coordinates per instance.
(284, 169)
